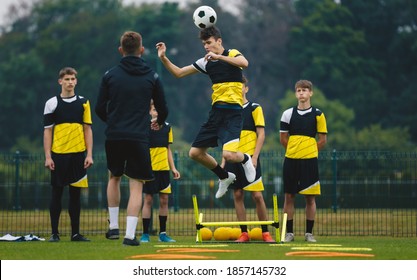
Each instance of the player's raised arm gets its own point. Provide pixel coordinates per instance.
(171, 67)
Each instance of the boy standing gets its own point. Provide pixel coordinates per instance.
(224, 123)
(252, 139)
(123, 104)
(68, 146)
(162, 161)
(299, 127)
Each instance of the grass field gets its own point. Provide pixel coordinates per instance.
(327, 248)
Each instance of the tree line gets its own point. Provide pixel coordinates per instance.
(360, 55)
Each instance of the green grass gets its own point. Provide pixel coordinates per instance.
(383, 248)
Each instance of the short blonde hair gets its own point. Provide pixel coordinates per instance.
(304, 84)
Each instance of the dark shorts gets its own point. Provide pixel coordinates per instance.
(301, 176)
(161, 184)
(224, 126)
(241, 182)
(69, 169)
(130, 158)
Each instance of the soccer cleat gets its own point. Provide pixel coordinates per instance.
(54, 238)
(289, 237)
(266, 236)
(244, 237)
(131, 242)
(145, 238)
(78, 237)
(224, 184)
(309, 237)
(112, 234)
(250, 171)
(163, 237)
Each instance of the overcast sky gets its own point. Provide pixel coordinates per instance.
(4, 4)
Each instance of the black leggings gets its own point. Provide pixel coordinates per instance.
(74, 208)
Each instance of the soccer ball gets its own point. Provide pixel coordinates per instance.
(206, 234)
(221, 234)
(255, 234)
(204, 16)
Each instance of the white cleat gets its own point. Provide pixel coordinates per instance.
(309, 237)
(224, 184)
(250, 171)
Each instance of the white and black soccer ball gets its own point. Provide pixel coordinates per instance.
(204, 16)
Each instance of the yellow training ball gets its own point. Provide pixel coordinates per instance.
(221, 234)
(206, 234)
(235, 233)
(255, 234)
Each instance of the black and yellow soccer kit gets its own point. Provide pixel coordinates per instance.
(253, 117)
(225, 118)
(159, 141)
(67, 117)
(301, 157)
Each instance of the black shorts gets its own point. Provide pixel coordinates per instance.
(223, 125)
(130, 158)
(301, 176)
(69, 169)
(161, 184)
(241, 182)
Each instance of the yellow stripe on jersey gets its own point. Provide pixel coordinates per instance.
(321, 123)
(247, 142)
(82, 183)
(159, 158)
(311, 190)
(301, 147)
(255, 186)
(231, 146)
(230, 92)
(68, 138)
(258, 116)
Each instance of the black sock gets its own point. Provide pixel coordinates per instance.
(290, 224)
(264, 228)
(245, 158)
(146, 222)
(220, 172)
(309, 226)
(243, 228)
(163, 223)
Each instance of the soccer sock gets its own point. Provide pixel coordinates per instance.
(245, 158)
(74, 209)
(290, 224)
(114, 217)
(309, 226)
(244, 228)
(220, 172)
(264, 228)
(163, 223)
(55, 208)
(131, 223)
(146, 222)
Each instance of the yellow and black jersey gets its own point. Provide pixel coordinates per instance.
(302, 126)
(67, 117)
(253, 117)
(159, 141)
(226, 78)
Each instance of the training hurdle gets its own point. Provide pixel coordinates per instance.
(199, 224)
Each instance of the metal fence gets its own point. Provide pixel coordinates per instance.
(363, 193)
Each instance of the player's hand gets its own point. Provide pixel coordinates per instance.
(211, 56)
(161, 47)
(88, 162)
(176, 174)
(49, 163)
(155, 125)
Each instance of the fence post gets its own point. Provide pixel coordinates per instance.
(175, 186)
(16, 186)
(334, 165)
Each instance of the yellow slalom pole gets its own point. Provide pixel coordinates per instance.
(276, 216)
(284, 227)
(197, 219)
